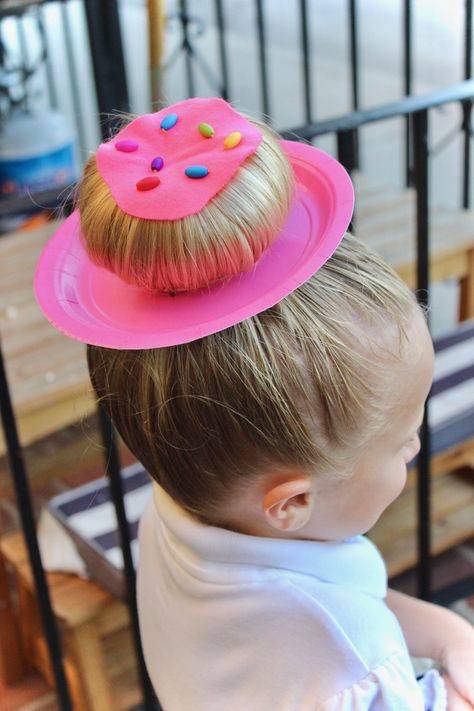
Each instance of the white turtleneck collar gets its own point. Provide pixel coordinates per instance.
(213, 552)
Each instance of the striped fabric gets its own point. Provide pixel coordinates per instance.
(88, 514)
(451, 407)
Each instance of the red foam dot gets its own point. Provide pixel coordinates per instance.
(152, 181)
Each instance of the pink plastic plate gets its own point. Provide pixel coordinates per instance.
(94, 306)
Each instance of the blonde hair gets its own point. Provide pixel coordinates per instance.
(299, 384)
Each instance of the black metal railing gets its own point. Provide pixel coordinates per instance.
(108, 64)
(416, 110)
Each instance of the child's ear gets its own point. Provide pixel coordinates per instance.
(288, 506)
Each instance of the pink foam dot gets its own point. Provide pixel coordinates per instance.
(126, 146)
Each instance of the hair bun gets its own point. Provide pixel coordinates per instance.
(224, 239)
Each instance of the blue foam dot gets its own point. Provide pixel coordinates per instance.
(196, 171)
(169, 121)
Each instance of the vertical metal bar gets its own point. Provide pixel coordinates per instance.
(183, 4)
(222, 49)
(23, 45)
(107, 60)
(354, 52)
(346, 155)
(407, 70)
(74, 83)
(346, 149)
(23, 495)
(263, 61)
(116, 489)
(420, 164)
(53, 97)
(467, 106)
(467, 120)
(306, 64)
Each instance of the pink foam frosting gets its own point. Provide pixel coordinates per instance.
(180, 147)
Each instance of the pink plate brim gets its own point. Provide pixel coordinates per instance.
(94, 306)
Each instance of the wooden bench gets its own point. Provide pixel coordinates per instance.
(98, 653)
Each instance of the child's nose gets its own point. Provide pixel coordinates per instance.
(414, 449)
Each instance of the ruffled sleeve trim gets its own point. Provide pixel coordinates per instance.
(391, 686)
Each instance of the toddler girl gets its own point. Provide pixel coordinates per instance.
(271, 378)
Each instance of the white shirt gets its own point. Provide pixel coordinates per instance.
(231, 622)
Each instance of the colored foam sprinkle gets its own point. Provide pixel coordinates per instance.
(168, 122)
(148, 183)
(232, 140)
(206, 130)
(196, 171)
(157, 163)
(126, 146)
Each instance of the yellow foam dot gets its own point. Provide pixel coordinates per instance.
(232, 140)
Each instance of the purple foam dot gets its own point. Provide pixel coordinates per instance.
(157, 163)
(126, 146)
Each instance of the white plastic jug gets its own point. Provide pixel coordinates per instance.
(37, 152)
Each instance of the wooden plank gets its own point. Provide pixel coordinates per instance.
(461, 455)
(87, 656)
(122, 669)
(11, 663)
(36, 425)
(466, 306)
(452, 518)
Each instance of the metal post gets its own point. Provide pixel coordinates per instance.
(23, 495)
(107, 60)
(263, 61)
(353, 34)
(420, 155)
(346, 149)
(467, 106)
(306, 64)
(73, 73)
(222, 49)
(354, 51)
(346, 154)
(183, 6)
(53, 97)
(407, 66)
(467, 114)
(116, 489)
(23, 44)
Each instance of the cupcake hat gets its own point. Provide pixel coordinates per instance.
(168, 165)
